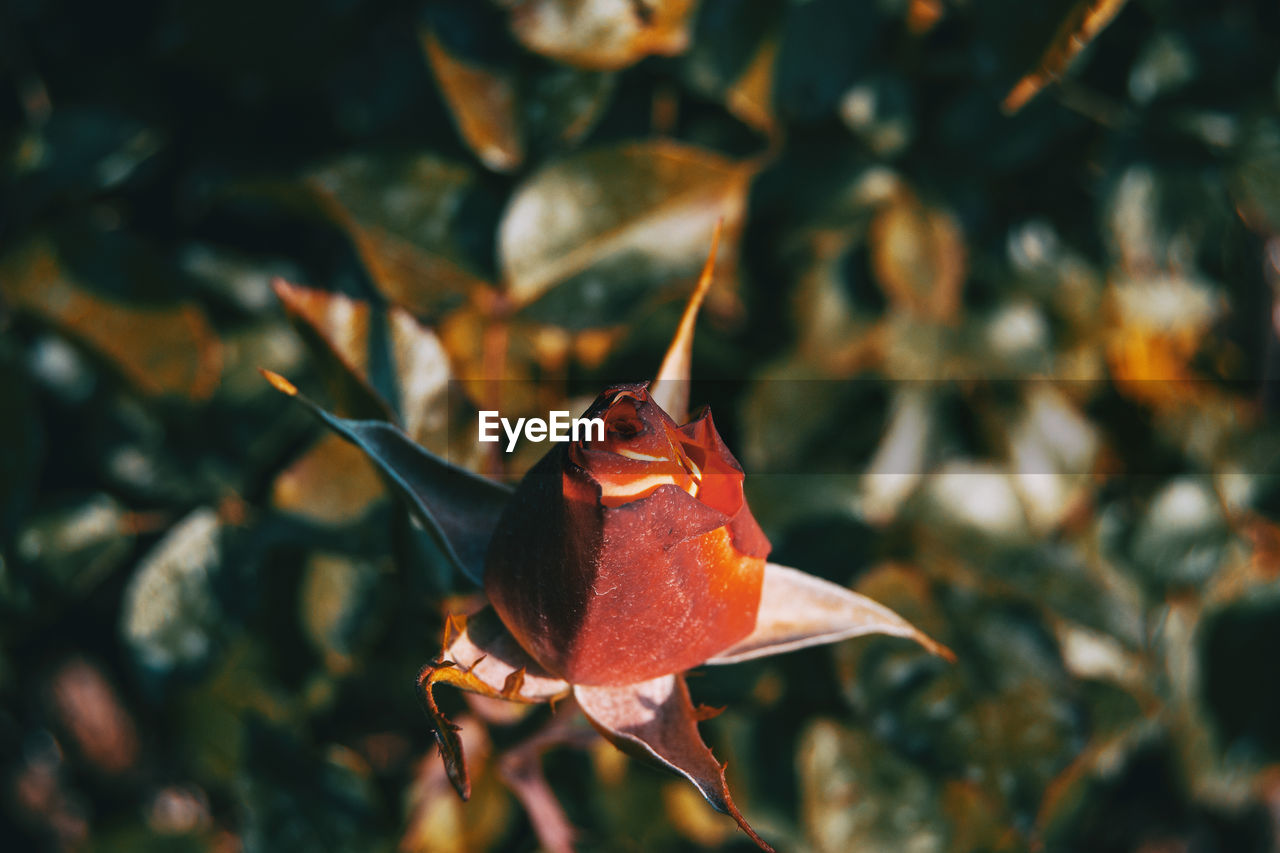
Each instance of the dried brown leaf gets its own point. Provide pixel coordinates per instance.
(918, 255)
(397, 210)
(332, 483)
(750, 97)
(922, 15)
(480, 656)
(487, 657)
(437, 821)
(416, 391)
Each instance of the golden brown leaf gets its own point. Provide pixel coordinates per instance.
(1081, 26)
(624, 218)
(332, 483)
(1150, 347)
(484, 105)
(922, 15)
(419, 366)
(918, 255)
(169, 350)
(439, 822)
(394, 209)
(750, 98)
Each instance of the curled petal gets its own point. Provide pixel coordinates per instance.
(656, 720)
(798, 610)
(489, 661)
(479, 655)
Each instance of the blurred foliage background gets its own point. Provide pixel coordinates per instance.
(993, 336)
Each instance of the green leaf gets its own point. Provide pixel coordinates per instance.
(458, 508)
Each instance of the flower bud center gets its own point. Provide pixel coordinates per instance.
(630, 436)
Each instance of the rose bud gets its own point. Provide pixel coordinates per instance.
(622, 559)
(614, 567)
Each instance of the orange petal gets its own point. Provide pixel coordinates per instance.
(798, 610)
(656, 720)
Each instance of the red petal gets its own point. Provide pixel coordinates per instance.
(798, 610)
(618, 595)
(656, 720)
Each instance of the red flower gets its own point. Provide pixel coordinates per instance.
(629, 558)
(613, 568)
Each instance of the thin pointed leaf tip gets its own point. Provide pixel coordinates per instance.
(458, 508)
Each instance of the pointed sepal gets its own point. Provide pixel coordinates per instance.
(798, 610)
(671, 386)
(656, 720)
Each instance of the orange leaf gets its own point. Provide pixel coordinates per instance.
(169, 350)
(483, 103)
(1081, 26)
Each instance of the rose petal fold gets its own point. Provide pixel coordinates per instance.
(460, 509)
(479, 655)
(798, 610)
(656, 720)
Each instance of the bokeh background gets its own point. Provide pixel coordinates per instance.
(993, 333)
